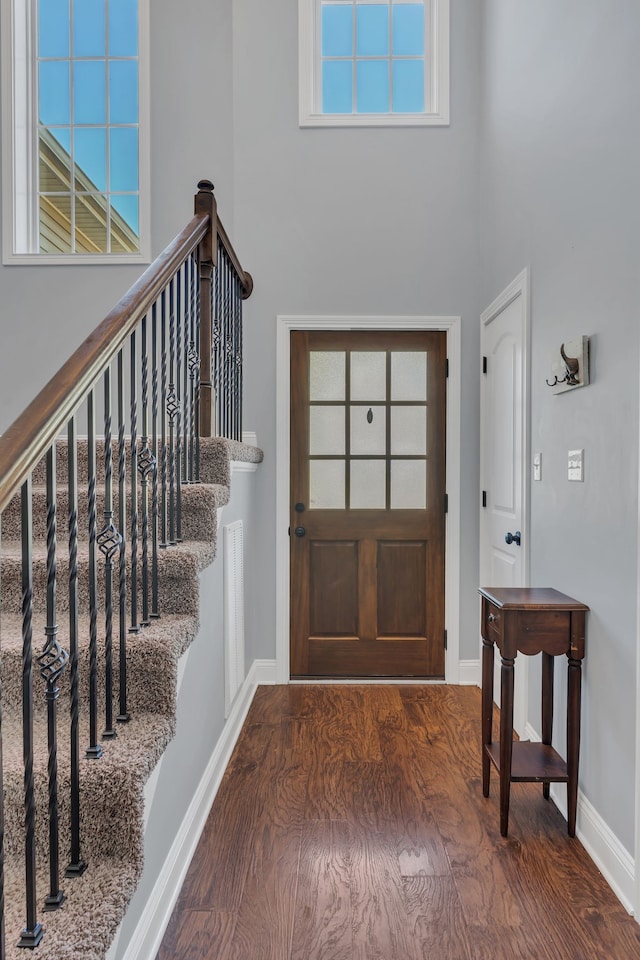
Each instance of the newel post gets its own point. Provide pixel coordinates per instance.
(205, 203)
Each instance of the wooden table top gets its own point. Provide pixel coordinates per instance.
(530, 598)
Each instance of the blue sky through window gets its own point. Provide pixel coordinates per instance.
(89, 102)
(373, 57)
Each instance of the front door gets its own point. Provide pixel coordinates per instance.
(367, 504)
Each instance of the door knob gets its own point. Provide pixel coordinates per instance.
(299, 531)
(512, 537)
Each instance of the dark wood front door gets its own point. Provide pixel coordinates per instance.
(367, 504)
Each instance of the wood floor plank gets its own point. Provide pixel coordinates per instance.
(436, 920)
(197, 934)
(323, 927)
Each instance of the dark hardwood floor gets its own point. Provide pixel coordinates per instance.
(351, 824)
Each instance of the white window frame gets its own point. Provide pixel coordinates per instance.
(436, 75)
(19, 147)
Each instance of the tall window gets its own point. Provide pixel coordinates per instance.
(374, 62)
(77, 106)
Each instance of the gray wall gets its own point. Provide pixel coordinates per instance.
(46, 312)
(561, 164)
(352, 221)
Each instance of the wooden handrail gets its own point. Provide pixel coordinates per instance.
(28, 438)
(247, 279)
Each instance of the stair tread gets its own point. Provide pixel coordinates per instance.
(156, 632)
(201, 551)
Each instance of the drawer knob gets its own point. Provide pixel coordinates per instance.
(492, 618)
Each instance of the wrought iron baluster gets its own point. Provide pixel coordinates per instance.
(178, 464)
(227, 348)
(135, 626)
(217, 337)
(186, 418)
(109, 544)
(76, 866)
(123, 714)
(194, 365)
(94, 750)
(240, 364)
(237, 357)
(146, 466)
(163, 417)
(155, 609)
(197, 388)
(33, 932)
(52, 662)
(172, 409)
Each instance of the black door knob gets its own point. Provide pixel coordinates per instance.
(299, 531)
(512, 537)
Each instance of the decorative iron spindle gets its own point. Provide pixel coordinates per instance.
(163, 419)
(76, 866)
(33, 932)
(52, 662)
(172, 409)
(239, 367)
(135, 626)
(194, 366)
(178, 464)
(155, 609)
(94, 750)
(237, 359)
(186, 418)
(197, 387)
(123, 715)
(109, 544)
(146, 466)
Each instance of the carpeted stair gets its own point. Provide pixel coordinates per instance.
(112, 805)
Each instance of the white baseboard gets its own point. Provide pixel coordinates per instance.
(469, 674)
(612, 859)
(147, 936)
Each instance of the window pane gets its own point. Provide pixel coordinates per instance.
(368, 375)
(123, 91)
(55, 224)
(326, 430)
(90, 157)
(89, 91)
(408, 86)
(124, 159)
(409, 375)
(123, 28)
(124, 223)
(326, 484)
(372, 34)
(53, 92)
(372, 84)
(368, 439)
(89, 29)
(53, 158)
(368, 484)
(53, 28)
(337, 30)
(337, 86)
(408, 485)
(408, 29)
(327, 375)
(409, 431)
(91, 223)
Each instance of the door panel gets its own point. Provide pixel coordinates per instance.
(367, 503)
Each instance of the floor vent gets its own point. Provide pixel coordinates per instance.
(233, 612)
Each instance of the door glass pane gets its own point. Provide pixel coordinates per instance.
(326, 430)
(408, 485)
(368, 484)
(409, 431)
(326, 485)
(409, 375)
(327, 375)
(368, 376)
(368, 438)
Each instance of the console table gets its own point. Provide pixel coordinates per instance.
(531, 620)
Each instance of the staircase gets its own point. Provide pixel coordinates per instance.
(103, 542)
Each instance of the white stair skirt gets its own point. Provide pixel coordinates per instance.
(233, 553)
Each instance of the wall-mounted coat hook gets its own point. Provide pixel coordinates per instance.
(570, 365)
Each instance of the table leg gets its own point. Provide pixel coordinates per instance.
(573, 740)
(487, 710)
(547, 707)
(506, 740)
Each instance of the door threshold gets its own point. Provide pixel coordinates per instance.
(370, 681)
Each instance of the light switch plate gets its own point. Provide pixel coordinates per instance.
(537, 466)
(575, 465)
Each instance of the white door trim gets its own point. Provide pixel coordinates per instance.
(636, 904)
(451, 325)
(519, 287)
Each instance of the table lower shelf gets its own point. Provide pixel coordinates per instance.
(531, 762)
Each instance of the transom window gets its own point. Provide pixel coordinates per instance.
(78, 160)
(373, 62)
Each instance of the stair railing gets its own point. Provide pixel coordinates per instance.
(167, 362)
